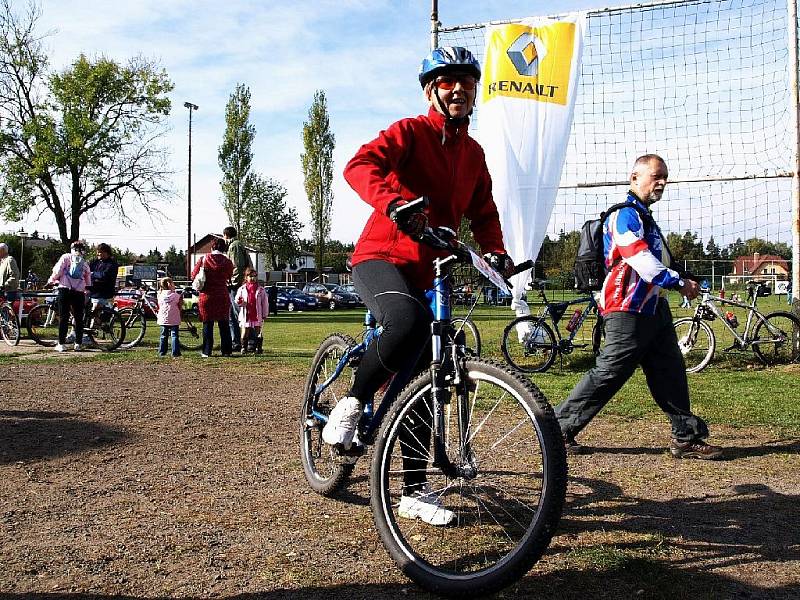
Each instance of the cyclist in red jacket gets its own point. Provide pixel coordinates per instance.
(429, 156)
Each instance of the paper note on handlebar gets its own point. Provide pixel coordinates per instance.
(487, 271)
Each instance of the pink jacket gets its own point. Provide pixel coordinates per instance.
(169, 307)
(262, 304)
(61, 276)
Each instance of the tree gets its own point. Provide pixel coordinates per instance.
(317, 161)
(176, 261)
(236, 156)
(81, 142)
(269, 224)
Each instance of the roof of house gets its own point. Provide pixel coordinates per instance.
(751, 264)
(206, 239)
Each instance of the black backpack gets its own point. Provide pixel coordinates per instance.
(590, 262)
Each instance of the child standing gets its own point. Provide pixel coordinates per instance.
(169, 315)
(253, 305)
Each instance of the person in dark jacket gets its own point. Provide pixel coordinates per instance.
(104, 270)
(215, 303)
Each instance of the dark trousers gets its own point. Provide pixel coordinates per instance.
(70, 301)
(236, 332)
(224, 337)
(632, 340)
(405, 316)
(170, 331)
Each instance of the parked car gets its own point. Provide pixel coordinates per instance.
(128, 296)
(351, 289)
(292, 299)
(332, 295)
(191, 299)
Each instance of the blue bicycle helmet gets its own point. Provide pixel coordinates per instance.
(448, 58)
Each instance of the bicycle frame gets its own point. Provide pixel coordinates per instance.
(565, 344)
(709, 301)
(439, 299)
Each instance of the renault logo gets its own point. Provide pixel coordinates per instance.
(525, 53)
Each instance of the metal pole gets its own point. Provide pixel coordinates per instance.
(435, 24)
(191, 107)
(795, 107)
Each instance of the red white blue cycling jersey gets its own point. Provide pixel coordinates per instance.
(635, 258)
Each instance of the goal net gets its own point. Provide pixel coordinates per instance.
(702, 83)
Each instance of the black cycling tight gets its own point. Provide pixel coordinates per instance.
(405, 316)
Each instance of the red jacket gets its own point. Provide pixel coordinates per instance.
(215, 302)
(408, 160)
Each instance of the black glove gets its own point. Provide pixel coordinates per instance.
(501, 262)
(409, 217)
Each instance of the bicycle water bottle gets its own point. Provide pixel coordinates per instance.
(573, 321)
(731, 319)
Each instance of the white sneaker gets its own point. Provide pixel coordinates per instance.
(78, 347)
(61, 348)
(342, 422)
(426, 506)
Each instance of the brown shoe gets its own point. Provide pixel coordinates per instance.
(696, 449)
(571, 446)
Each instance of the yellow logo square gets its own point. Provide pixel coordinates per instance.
(529, 62)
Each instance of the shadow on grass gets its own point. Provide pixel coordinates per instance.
(747, 528)
(35, 435)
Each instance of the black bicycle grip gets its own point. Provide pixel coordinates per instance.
(523, 266)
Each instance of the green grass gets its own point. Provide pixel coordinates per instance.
(734, 390)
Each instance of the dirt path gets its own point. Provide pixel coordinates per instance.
(193, 488)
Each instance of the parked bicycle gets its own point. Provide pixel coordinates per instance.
(9, 324)
(774, 338)
(531, 345)
(189, 334)
(496, 458)
(104, 329)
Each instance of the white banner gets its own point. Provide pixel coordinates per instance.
(527, 100)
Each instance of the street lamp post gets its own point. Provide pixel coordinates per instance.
(23, 235)
(191, 107)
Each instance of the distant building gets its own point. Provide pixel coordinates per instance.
(759, 266)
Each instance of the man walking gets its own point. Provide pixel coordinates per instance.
(238, 255)
(638, 323)
(9, 274)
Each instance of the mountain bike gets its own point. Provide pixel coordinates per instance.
(531, 345)
(9, 324)
(189, 334)
(774, 338)
(496, 457)
(105, 328)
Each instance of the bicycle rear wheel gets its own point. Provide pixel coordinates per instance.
(109, 330)
(507, 505)
(9, 325)
(777, 339)
(135, 327)
(472, 337)
(696, 342)
(42, 325)
(537, 350)
(190, 335)
(323, 468)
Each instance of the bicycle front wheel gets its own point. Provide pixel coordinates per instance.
(777, 339)
(537, 349)
(499, 428)
(323, 468)
(108, 332)
(9, 325)
(42, 325)
(190, 336)
(696, 342)
(472, 337)
(135, 327)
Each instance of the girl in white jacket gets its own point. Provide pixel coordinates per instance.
(251, 299)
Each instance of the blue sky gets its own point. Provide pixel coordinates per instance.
(363, 53)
